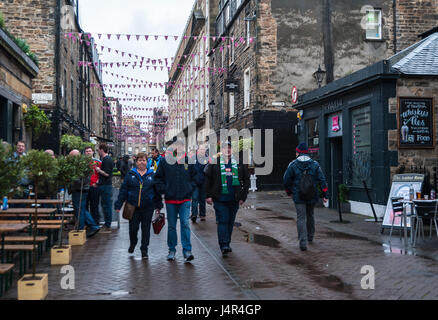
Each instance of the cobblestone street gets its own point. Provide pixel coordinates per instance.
(265, 264)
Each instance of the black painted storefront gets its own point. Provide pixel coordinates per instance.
(352, 131)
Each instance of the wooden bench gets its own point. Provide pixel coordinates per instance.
(44, 222)
(23, 250)
(24, 238)
(42, 215)
(5, 271)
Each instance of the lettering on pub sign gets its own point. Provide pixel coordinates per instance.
(416, 123)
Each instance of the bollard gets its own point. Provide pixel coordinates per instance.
(253, 180)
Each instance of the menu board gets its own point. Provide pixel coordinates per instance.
(400, 188)
(416, 122)
(361, 121)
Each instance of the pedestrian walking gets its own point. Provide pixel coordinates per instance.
(105, 185)
(80, 201)
(138, 190)
(301, 180)
(93, 193)
(198, 196)
(125, 166)
(24, 183)
(226, 184)
(154, 161)
(177, 180)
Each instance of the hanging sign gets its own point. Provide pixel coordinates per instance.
(335, 124)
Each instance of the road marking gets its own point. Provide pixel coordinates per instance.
(249, 293)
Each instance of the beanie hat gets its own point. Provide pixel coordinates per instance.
(302, 148)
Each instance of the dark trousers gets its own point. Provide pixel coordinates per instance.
(305, 222)
(141, 216)
(198, 198)
(225, 216)
(93, 203)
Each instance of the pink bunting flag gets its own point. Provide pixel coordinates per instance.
(156, 37)
(176, 38)
(138, 37)
(99, 35)
(109, 36)
(118, 37)
(128, 36)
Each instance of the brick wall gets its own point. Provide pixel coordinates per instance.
(34, 21)
(414, 18)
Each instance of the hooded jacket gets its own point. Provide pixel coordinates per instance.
(130, 191)
(292, 177)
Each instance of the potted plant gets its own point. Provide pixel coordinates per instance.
(67, 173)
(70, 142)
(40, 168)
(343, 198)
(36, 121)
(10, 171)
(84, 168)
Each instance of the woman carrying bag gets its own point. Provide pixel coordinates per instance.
(139, 193)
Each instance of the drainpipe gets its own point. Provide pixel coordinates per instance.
(328, 41)
(57, 113)
(394, 17)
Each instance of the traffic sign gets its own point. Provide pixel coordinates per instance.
(294, 94)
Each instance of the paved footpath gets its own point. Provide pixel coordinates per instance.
(265, 264)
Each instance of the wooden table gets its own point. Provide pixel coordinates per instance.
(10, 228)
(39, 201)
(29, 210)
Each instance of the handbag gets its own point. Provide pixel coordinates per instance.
(128, 210)
(159, 223)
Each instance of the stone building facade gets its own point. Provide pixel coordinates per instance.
(292, 38)
(74, 106)
(16, 73)
(188, 86)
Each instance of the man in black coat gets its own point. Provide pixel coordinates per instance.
(227, 184)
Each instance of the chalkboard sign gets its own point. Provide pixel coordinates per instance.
(416, 123)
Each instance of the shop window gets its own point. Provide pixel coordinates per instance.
(374, 25)
(360, 164)
(231, 110)
(313, 138)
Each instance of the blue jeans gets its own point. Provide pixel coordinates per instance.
(183, 210)
(106, 200)
(198, 197)
(225, 216)
(85, 217)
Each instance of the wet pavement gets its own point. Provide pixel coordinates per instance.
(266, 262)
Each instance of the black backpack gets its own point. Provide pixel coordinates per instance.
(307, 190)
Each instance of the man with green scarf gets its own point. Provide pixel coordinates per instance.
(227, 184)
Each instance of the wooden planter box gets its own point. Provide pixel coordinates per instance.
(33, 289)
(60, 256)
(77, 238)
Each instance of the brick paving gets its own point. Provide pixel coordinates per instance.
(265, 264)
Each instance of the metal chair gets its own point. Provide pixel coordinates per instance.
(397, 208)
(426, 211)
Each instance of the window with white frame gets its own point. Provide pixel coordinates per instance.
(374, 24)
(231, 106)
(248, 32)
(247, 88)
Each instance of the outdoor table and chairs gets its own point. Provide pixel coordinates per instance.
(39, 201)
(420, 210)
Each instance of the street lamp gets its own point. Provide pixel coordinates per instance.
(319, 75)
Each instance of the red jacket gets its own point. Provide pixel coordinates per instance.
(95, 175)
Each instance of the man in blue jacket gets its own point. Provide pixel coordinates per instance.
(198, 197)
(304, 203)
(154, 161)
(138, 190)
(176, 179)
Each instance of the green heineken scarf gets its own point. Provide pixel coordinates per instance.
(224, 175)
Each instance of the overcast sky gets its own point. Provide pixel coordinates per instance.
(142, 17)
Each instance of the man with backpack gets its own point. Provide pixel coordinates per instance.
(301, 180)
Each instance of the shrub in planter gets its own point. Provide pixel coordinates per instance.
(10, 171)
(343, 198)
(37, 121)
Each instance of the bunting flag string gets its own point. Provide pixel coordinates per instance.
(146, 37)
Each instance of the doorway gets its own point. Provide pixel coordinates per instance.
(336, 170)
